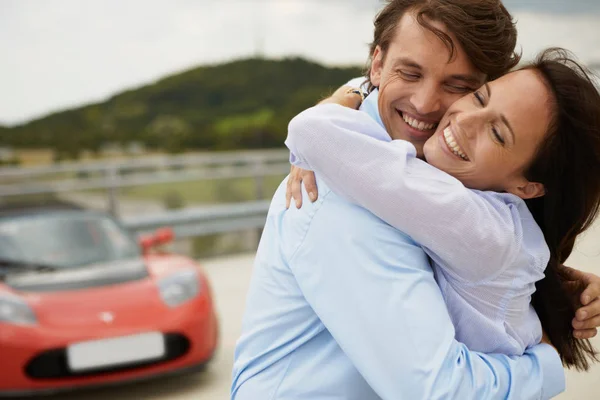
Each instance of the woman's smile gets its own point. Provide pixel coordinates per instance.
(453, 145)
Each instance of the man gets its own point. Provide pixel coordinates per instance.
(341, 305)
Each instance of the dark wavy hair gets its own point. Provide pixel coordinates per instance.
(483, 28)
(568, 164)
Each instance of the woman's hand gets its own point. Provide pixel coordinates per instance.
(587, 318)
(294, 186)
(345, 96)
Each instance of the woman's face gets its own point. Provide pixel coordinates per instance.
(488, 138)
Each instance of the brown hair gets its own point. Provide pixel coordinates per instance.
(483, 28)
(568, 164)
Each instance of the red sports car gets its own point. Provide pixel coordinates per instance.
(82, 303)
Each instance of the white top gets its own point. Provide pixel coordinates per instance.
(486, 248)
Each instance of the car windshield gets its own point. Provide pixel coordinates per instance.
(64, 240)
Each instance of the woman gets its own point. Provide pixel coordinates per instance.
(527, 147)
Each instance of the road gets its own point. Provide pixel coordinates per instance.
(230, 277)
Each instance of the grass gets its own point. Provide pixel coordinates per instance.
(30, 157)
(205, 191)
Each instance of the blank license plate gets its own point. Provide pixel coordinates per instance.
(115, 351)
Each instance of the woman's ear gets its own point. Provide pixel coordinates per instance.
(528, 190)
(376, 66)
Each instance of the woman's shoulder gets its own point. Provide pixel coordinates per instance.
(533, 247)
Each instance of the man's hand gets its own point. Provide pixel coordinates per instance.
(294, 186)
(587, 318)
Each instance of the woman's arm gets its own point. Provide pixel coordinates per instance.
(474, 234)
(346, 96)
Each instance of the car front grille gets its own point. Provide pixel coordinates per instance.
(52, 364)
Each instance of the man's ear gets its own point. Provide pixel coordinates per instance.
(528, 190)
(376, 66)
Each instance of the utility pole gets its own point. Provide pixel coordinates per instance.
(259, 34)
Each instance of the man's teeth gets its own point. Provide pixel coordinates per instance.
(451, 142)
(420, 125)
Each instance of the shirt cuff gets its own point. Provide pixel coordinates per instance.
(298, 162)
(360, 82)
(554, 382)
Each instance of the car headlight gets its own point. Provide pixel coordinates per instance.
(14, 310)
(180, 287)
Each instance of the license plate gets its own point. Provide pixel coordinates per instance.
(112, 352)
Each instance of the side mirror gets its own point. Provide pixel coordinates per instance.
(159, 238)
(164, 236)
(146, 243)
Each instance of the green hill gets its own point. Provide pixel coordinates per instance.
(242, 104)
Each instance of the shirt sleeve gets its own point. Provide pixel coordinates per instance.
(472, 236)
(372, 289)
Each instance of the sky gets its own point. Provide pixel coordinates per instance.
(57, 54)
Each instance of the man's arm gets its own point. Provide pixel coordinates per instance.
(373, 290)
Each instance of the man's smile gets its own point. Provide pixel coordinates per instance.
(417, 123)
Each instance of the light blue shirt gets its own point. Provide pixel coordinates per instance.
(487, 249)
(343, 306)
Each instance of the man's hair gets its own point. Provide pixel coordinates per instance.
(483, 28)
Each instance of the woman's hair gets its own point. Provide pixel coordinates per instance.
(568, 164)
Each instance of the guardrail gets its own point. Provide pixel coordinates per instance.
(111, 176)
(187, 222)
(191, 222)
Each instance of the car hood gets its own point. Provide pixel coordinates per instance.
(116, 307)
(119, 306)
(91, 276)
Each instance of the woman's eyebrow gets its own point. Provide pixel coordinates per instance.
(502, 116)
(489, 90)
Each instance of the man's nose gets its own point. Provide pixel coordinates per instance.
(426, 99)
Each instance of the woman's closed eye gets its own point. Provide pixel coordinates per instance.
(498, 136)
(495, 132)
(479, 98)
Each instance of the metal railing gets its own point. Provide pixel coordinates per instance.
(188, 222)
(193, 221)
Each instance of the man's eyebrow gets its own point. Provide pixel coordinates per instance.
(502, 116)
(407, 62)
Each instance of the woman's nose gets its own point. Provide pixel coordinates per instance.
(470, 123)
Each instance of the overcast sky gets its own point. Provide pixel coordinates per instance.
(57, 54)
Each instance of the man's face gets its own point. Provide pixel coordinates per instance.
(416, 82)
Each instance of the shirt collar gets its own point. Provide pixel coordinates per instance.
(371, 107)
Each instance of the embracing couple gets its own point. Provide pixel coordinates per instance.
(428, 262)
